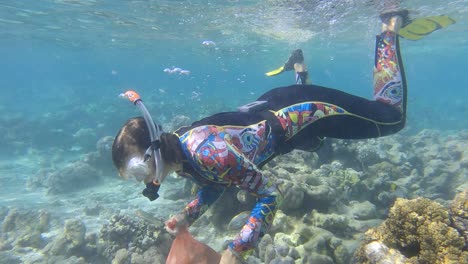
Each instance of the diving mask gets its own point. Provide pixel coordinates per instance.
(137, 168)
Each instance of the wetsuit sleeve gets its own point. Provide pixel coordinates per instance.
(256, 227)
(262, 215)
(206, 196)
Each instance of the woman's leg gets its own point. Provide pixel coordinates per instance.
(307, 112)
(389, 76)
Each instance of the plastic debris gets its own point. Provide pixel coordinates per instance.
(208, 43)
(176, 70)
(185, 250)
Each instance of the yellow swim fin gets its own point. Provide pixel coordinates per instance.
(296, 57)
(275, 72)
(421, 27)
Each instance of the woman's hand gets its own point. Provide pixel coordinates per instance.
(175, 222)
(229, 258)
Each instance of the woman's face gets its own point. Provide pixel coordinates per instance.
(137, 168)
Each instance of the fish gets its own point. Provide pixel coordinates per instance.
(238, 221)
(149, 218)
(170, 71)
(208, 43)
(175, 70)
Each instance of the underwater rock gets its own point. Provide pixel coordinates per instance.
(344, 179)
(7, 257)
(179, 121)
(293, 196)
(181, 188)
(368, 154)
(281, 223)
(265, 247)
(70, 242)
(282, 249)
(420, 230)
(245, 198)
(136, 236)
(458, 149)
(459, 214)
(277, 250)
(378, 253)
(150, 256)
(376, 172)
(72, 177)
(100, 159)
(74, 231)
(24, 228)
(379, 184)
(338, 224)
(317, 258)
(282, 260)
(121, 256)
(79, 174)
(320, 196)
(85, 138)
(104, 146)
(62, 260)
(362, 210)
(39, 179)
(93, 209)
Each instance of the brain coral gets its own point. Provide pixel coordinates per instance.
(421, 230)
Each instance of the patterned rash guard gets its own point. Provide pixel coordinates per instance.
(228, 155)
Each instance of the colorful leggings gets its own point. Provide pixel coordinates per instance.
(308, 112)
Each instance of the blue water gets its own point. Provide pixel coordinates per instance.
(71, 59)
(64, 62)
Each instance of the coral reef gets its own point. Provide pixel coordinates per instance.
(74, 176)
(78, 174)
(420, 230)
(70, 242)
(131, 240)
(330, 199)
(459, 214)
(178, 121)
(26, 232)
(124, 239)
(23, 228)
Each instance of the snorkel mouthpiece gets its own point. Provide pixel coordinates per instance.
(151, 190)
(154, 132)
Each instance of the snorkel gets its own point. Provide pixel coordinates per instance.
(154, 150)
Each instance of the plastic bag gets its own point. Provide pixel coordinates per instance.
(187, 250)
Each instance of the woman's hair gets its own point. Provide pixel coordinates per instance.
(133, 140)
(171, 150)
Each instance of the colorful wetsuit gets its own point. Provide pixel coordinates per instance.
(221, 155)
(228, 148)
